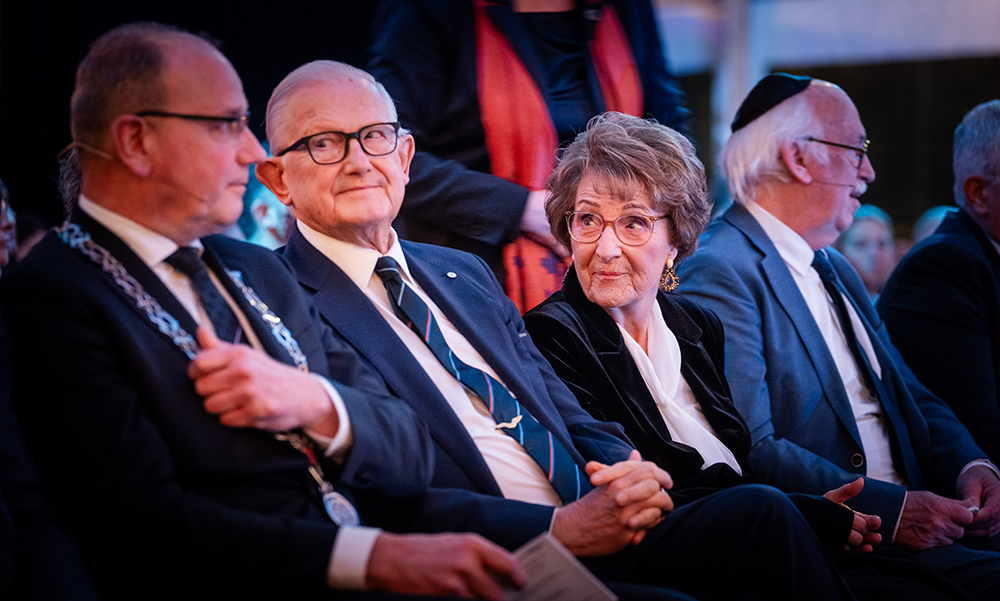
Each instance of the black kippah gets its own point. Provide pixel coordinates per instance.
(767, 94)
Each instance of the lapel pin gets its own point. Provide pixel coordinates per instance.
(452, 275)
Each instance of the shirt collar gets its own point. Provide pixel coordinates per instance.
(794, 250)
(358, 262)
(150, 246)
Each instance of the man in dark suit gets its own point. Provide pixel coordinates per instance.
(942, 303)
(825, 394)
(435, 323)
(185, 464)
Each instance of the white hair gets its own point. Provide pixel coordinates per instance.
(751, 156)
(977, 147)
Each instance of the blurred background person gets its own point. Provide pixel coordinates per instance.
(490, 90)
(868, 244)
(929, 221)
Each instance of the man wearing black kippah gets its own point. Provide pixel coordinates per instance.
(824, 392)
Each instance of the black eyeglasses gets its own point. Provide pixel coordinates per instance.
(330, 147)
(632, 230)
(861, 152)
(233, 125)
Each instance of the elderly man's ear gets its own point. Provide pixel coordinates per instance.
(975, 190)
(271, 173)
(793, 155)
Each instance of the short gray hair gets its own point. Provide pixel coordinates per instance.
(977, 147)
(121, 74)
(315, 72)
(751, 155)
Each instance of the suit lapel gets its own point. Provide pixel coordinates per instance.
(786, 291)
(353, 316)
(135, 266)
(267, 339)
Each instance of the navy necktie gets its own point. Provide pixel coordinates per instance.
(562, 471)
(186, 260)
(872, 381)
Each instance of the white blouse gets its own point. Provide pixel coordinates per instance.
(680, 410)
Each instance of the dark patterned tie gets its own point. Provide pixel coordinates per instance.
(560, 468)
(187, 260)
(874, 384)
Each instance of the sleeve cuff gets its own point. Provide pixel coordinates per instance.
(348, 566)
(976, 462)
(335, 447)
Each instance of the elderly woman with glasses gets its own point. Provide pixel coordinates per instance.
(629, 198)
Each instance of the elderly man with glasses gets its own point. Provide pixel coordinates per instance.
(827, 397)
(516, 455)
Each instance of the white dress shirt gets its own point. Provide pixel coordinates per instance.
(349, 556)
(515, 472)
(675, 400)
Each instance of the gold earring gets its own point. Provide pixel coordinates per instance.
(669, 279)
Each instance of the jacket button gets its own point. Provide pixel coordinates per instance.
(857, 460)
(365, 477)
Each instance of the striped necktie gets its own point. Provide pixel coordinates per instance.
(560, 468)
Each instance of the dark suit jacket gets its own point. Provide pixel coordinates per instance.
(786, 385)
(465, 496)
(587, 351)
(942, 309)
(425, 55)
(162, 497)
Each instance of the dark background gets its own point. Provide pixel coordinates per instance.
(910, 109)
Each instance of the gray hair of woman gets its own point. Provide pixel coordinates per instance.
(625, 156)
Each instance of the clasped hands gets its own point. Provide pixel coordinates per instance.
(931, 521)
(247, 388)
(628, 499)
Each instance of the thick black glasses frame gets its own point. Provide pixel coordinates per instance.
(347, 142)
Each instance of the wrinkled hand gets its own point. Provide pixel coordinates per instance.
(453, 565)
(863, 536)
(979, 487)
(535, 224)
(247, 388)
(931, 521)
(628, 499)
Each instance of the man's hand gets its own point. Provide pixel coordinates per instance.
(979, 487)
(452, 565)
(247, 388)
(628, 499)
(535, 224)
(930, 521)
(863, 536)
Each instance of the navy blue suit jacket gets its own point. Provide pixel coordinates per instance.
(464, 496)
(160, 495)
(942, 309)
(786, 385)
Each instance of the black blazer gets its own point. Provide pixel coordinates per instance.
(162, 498)
(942, 310)
(588, 352)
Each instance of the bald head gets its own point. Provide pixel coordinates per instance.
(305, 85)
(121, 74)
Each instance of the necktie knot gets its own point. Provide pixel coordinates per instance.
(823, 267)
(186, 260)
(387, 269)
